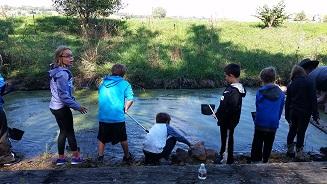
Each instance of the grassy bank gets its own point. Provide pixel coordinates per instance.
(159, 53)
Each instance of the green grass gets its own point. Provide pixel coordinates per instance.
(160, 49)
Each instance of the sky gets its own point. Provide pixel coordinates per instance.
(230, 9)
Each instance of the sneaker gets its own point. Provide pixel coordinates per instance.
(219, 159)
(61, 161)
(100, 159)
(76, 160)
(290, 150)
(11, 159)
(129, 159)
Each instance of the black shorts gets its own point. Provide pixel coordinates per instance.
(112, 132)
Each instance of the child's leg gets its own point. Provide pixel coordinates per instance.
(170, 144)
(100, 148)
(151, 158)
(303, 122)
(269, 138)
(230, 158)
(291, 132)
(223, 137)
(256, 150)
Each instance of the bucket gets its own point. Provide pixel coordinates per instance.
(16, 134)
(205, 109)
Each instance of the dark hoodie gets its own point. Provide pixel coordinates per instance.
(269, 107)
(229, 110)
(301, 98)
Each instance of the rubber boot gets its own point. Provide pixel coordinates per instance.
(291, 150)
(299, 154)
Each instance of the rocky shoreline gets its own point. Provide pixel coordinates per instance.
(178, 158)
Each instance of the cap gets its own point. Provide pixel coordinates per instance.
(308, 63)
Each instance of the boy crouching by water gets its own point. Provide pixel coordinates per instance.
(269, 107)
(161, 140)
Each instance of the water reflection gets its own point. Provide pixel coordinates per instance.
(29, 111)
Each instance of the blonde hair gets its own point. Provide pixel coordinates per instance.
(58, 61)
(297, 71)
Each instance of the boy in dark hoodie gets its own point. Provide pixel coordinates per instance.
(115, 98)
(269, 107)
(229, 110)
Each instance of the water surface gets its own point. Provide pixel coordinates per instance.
(29, 111)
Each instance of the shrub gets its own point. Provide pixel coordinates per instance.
(300, 16)
(272, 17)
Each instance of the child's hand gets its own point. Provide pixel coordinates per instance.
(289, 123)
(83, 110)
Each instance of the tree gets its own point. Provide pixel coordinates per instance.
(159, 12)
(324, 19)
(300, 16)
(272, 17)
(87, 10)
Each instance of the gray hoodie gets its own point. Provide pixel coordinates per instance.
(61, 85)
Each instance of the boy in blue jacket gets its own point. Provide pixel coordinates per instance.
(269, 107)
(115, 98)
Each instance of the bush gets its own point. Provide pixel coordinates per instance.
(325, 19)
(159, 12)
(300, 16)
(272, 17)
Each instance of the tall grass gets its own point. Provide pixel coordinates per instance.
(160, 49)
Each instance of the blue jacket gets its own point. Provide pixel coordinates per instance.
(113, 92)
(319, 78)
(2, 89)
(61, 86)
(269, 107)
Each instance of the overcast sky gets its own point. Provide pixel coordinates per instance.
(233, 9)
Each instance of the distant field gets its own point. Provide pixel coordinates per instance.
(156, 49)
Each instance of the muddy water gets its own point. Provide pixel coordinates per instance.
(29, 111)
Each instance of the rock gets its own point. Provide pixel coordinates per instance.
(207, 83)
(181, 156)
(211, 154)
(198, 151)
(323, 150)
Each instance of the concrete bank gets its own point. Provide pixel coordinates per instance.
(305, 172)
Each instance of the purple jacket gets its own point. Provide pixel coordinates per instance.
(61, 85)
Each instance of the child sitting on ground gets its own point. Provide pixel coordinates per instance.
(161, 140)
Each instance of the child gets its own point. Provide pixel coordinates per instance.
(7, 157)
(62, 100)
(229, 110)
(115, 98)
(161, 140)
(269, 107)
(301, 103)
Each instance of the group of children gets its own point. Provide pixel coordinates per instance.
(301, 104)
(116, 97)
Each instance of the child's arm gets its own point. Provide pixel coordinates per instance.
(179, 138)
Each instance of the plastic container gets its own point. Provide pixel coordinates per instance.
(202, 172)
